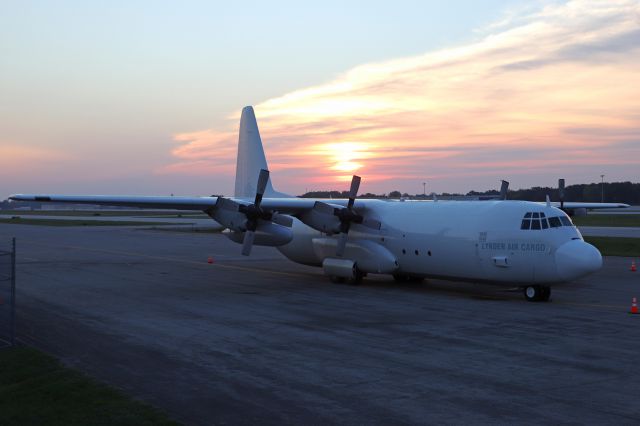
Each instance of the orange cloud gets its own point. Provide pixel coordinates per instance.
(553, 91)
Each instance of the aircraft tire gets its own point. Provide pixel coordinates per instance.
(534, 293)
(357, 279)
(403, 278)
(337, 280)
(546, 293)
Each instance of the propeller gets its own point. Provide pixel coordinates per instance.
(251, 214)
(503, 190)
(347, 215)
(561, 193)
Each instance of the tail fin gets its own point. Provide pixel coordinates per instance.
(251, 158)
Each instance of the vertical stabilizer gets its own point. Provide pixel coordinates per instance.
(251, 158)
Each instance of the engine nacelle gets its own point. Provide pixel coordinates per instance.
(231, 219)
(267, 234)
(321, 220)
(343, 268)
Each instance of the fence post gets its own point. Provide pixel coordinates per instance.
(12, 321)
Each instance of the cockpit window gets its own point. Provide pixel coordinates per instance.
(538, 220)
(554, 222)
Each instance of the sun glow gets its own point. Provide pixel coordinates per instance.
(345, 156)
(534, 98)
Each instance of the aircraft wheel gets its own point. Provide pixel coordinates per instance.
(403, 278)
(546, 293)
(358, 277)
(337, 280)
(535, 293)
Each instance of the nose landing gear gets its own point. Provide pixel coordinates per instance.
(537, 293)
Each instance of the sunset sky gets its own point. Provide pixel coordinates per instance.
(144, 97)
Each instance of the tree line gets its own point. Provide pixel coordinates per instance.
(614, 192)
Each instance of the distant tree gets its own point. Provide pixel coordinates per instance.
(614, 192)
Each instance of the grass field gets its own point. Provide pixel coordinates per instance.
(104, 213)
(630, 220)
(616, 246)
(35, 389)
(78, 222)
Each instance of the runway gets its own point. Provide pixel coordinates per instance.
(263, 340)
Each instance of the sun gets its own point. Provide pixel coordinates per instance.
(347, 156)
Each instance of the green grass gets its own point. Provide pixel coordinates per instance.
(76, 222)
(616, 246)
(105, 213)
(607, 220)
(35, 389)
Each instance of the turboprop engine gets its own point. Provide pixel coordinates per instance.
(250, 223)
(334, 219)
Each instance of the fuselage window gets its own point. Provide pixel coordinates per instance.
(526, 223)
(535, 223)
(565, 221)
(554, 222)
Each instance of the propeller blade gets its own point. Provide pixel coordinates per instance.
(353, 191)
(263, 178)
(355, 185)
(342, 244)
(282, 219)
(503, 190)
(247, 242)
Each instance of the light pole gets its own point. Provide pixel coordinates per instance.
(602, 196)
(424, 189)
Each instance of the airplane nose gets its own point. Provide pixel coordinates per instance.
(576, 258)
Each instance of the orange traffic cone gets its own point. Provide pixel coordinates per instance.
(633, 266)
(210, 259)
(634, 306)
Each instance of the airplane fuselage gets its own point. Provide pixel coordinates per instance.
(475, 241)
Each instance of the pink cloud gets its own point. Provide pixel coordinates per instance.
(555, 90)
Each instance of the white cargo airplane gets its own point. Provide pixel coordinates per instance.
(514, 243)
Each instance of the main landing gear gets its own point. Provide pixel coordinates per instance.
(354, 279)
(537, 293)
(403, 278)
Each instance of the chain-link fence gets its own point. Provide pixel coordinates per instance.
(8, 293)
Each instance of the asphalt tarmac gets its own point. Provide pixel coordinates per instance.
(263, 340)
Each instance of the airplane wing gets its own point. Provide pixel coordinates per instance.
(570, 205)
(282, 205)
(179, 203)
